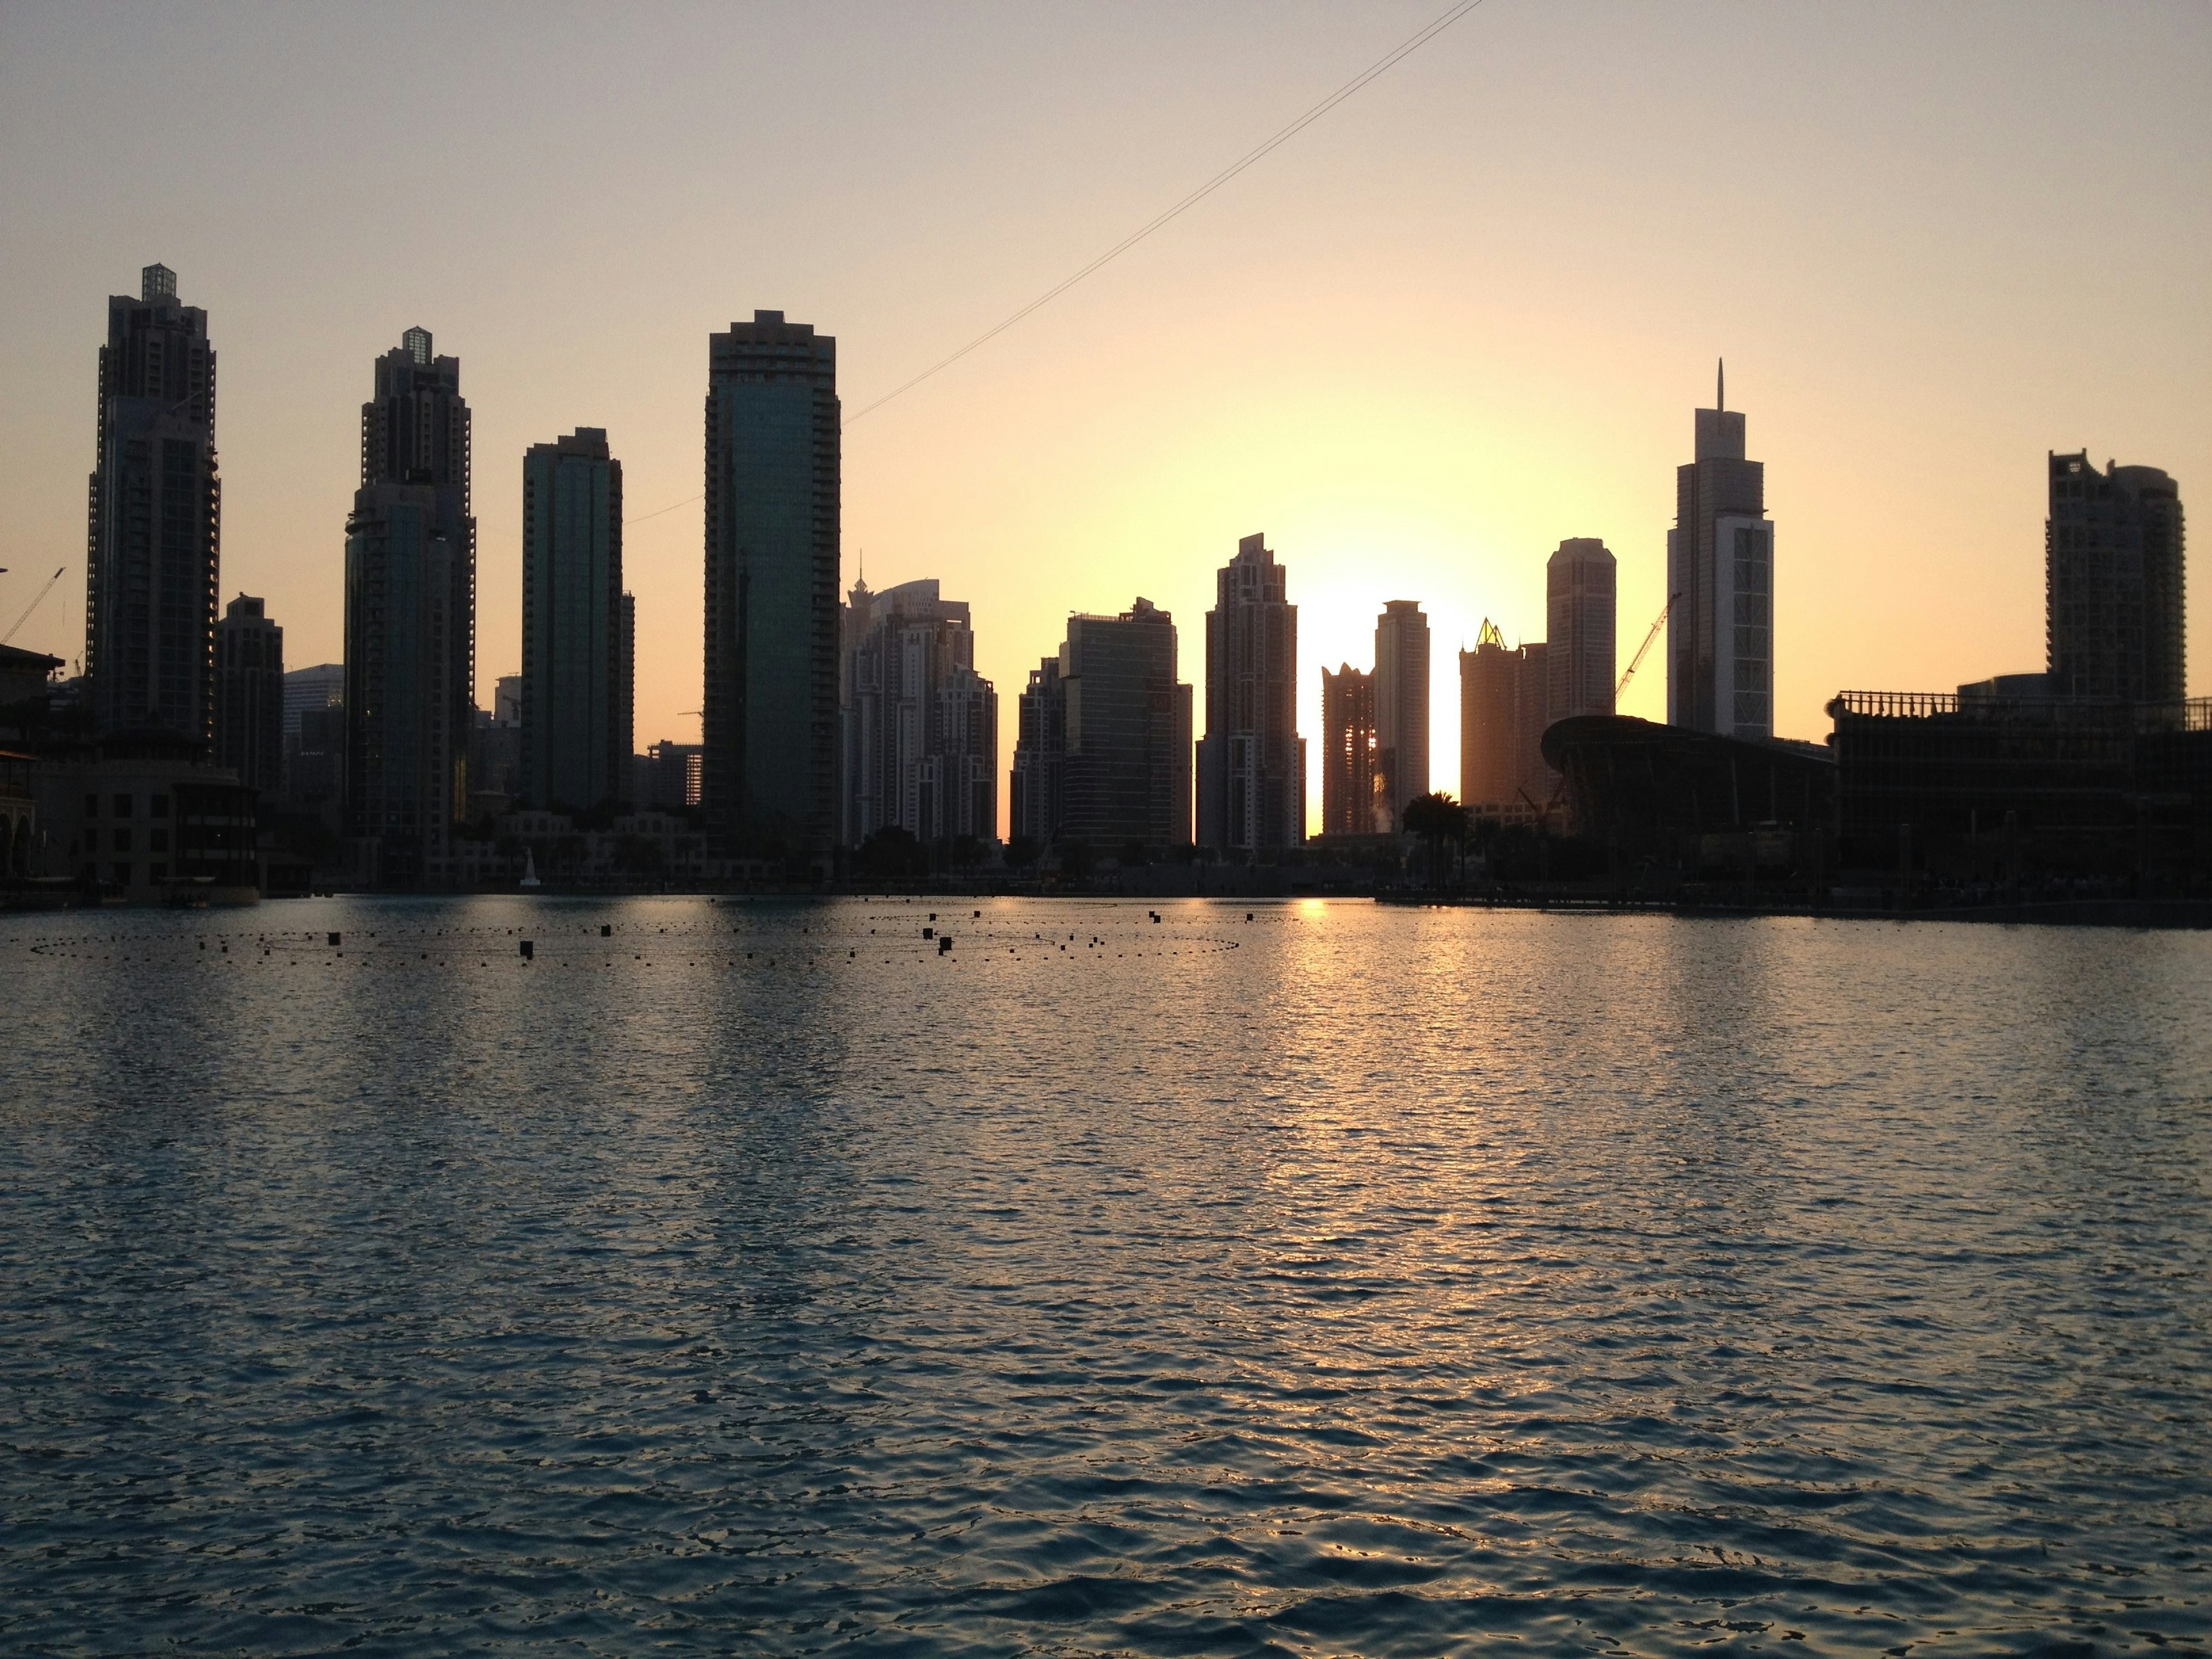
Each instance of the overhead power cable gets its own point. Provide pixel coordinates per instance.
(1275, 140)
(1380, 66)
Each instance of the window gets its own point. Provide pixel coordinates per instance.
(91, 806)
(157, 840)
(123, 806)
(122, 841)
(122, 873)
(157, 873)
(157, 806)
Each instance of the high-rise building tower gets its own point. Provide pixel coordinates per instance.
(2112, 572)
(410, 590)
(1720, 568)
(1579, 584)
(921, 749)
(1402, 706)
(770, 713)
(1351, 804)
(575, 663)
(1504, 704)
(250, 694)
(1103, 757)
(154, 524)
(1251, 762)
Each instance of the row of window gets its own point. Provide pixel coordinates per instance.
(157, 806)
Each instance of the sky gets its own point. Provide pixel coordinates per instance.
(1463, 317)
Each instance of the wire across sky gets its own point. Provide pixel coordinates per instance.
(1159, 221)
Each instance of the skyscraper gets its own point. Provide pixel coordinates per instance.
(1103, 757)
(1720, 568)
(1402, 706)
(1579, 583)
(575, 665)
(409, 615)
(2113, 573)
(154, 520)
(1251, 762)
(921, 749)
(1351, 804)
(770, 713)
(250, 694)
(1503, 708)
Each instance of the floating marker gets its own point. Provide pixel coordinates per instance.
(334, 941)
(528, 949)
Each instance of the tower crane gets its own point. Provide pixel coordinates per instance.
(1637, 661)
(34, 606)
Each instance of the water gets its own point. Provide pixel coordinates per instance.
(1342, 1282)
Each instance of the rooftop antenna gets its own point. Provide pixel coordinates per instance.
(1720, 386)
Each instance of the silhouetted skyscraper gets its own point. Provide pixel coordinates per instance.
(2112, 572)
(1402, 706)
(410, 615)
(1103, 755)
(1720, 568)
(1350, 801)
(921, 725)
(155, 523)
(1251, 762)
(575, 663)
(1503, 708)
(250, 694)
(770, 713)
(1579, 583)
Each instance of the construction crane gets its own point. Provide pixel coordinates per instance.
(1637, 661)
(34, 606)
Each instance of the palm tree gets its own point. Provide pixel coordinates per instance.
(1436, 818)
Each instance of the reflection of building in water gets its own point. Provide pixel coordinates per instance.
(1350, 798)
(920, 726)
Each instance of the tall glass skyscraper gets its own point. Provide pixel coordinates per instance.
(575, 626)
(1402, 707)
(1349, 797)
(410, 617)
(2112, 572)
(920, 746)
(250, 694)
(1103, 757)
(1720, 568)
(1251, 762)
(769, 718)
(1580, 582)
(155, 513)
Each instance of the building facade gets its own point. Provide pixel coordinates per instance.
(920, 726)
(575, 627)
(1103, 755)
(1504, 704)
(250, 696)
(1352, 802)
(2113, 569)
(410, 617)
(314, 738)
(1581, 581)
(1402, 706)
(1720, 569)
(154, 519)
(772, 476)
(1251, 762)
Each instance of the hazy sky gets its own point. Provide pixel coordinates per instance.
(1463, 317)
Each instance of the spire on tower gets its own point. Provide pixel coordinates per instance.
(1720, 384)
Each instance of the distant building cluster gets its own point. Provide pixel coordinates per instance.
(852, 733)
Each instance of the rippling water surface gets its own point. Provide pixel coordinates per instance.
(1341, 1281)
